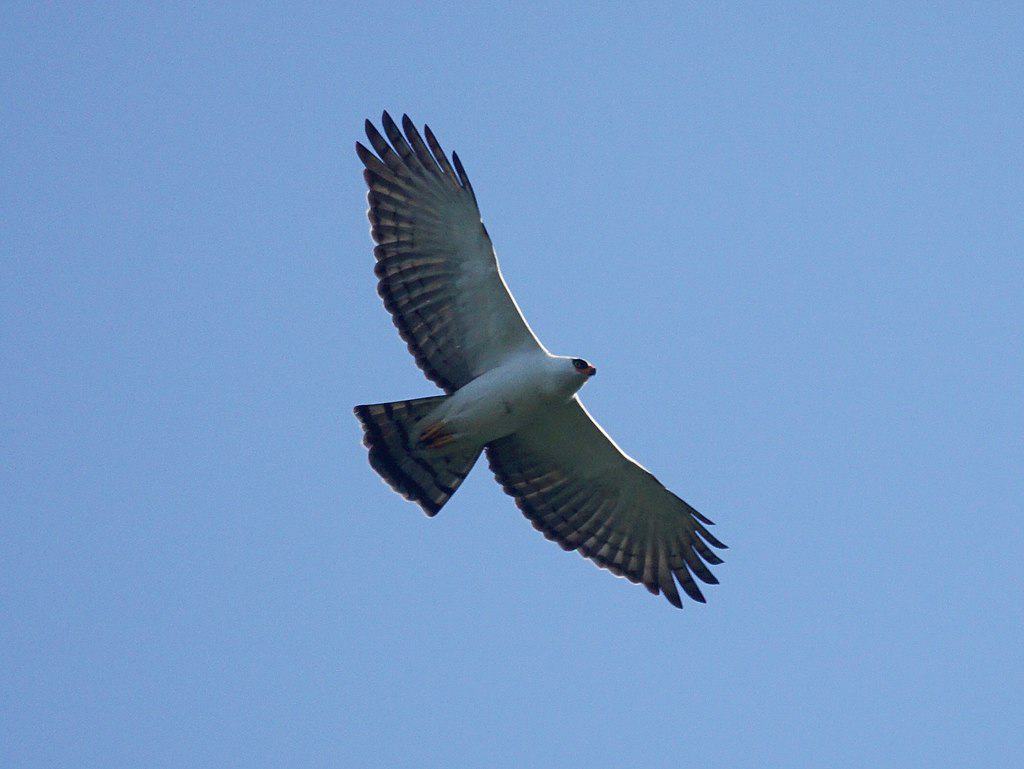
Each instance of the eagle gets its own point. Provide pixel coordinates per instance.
(505, 394)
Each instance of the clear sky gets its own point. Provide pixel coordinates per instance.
(789, 237)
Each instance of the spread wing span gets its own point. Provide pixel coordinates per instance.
(439, 276)
(579, 489)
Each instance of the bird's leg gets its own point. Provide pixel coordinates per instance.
(436, 436)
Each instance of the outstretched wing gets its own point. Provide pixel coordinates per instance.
(438, 273)
(579, 489)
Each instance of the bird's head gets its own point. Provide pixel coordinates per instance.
(582, 368)
(566, 376)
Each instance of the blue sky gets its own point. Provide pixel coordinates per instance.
(789, 237)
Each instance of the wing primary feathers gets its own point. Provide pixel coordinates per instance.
(377, 141)
(439, 156)
(426, 159)
(375, 166)
(711, 538)
(626, 521)
(398, 142)
(650, 566)
(706, 552)
(697, 566)
(688, 585)
(430, 238)
(699, 517)
(462, 175)
(385, 153)
(666, 583)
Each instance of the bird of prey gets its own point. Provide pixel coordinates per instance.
(505, 394)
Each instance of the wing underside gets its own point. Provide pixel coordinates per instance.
(438, 274)
(578, 488)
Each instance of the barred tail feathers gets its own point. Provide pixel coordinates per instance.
(392, 432)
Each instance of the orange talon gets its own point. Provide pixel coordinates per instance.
(435, 436)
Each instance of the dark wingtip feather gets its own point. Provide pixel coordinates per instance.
(463, 176)
(693, 591)
(713, 540)
(688, 585)
(408, 126)
(665, 579)
(709, 555)
(697, 566)
(421, 150)
(710, 538)
(702, 518)
(389, 125)
(364, 154)
(379, 142)
(703, 573)
(459, 169)
(438, 153)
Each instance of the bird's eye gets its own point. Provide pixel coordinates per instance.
(579, 363)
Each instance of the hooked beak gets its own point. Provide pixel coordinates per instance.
(590, 371)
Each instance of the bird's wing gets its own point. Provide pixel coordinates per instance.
(579, 489)
(438, 273)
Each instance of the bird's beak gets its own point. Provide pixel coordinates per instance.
(590, 371)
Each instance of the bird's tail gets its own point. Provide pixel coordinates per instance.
(416, 458)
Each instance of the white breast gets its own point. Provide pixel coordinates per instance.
(502, 400)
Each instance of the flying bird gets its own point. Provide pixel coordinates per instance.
(505, 394)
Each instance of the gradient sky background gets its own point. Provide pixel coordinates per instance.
(792, 242)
